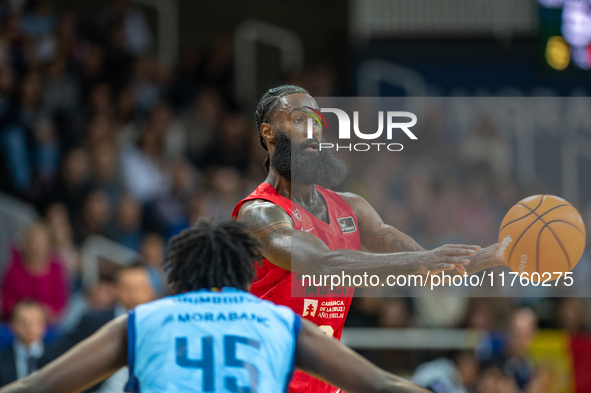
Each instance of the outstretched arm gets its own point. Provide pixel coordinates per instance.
(304, 253)
(379, 237)
(91, 361)
(331, 361)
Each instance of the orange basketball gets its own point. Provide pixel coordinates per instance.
(543, 234)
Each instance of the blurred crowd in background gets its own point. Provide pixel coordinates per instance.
(102, 140)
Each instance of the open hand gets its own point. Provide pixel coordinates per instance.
(448, 257)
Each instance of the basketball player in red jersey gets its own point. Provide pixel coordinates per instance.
(306, 228)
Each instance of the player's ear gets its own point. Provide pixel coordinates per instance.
(267, 132)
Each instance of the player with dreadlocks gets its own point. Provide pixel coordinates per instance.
(223, 259)
(212, 336)
(307, 229)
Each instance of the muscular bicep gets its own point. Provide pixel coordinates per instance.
(282, 245)
(377, 236)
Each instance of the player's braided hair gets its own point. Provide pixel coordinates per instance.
(265, 109)
(211, 255)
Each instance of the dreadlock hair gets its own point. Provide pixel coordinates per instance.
(266, 107)
(211, 255)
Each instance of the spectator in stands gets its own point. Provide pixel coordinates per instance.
(29, 101)
(365, 308)
(28, 325)
(104, 170)
(100, 129)
(438, 311)
(230, 142)
(133, 287)
(394, 313)
(91, 68)
(127, 229)
(217, 67)
(573, 315)
(142, 167)
(136, 34)
(468, 367)
(493, 380)
(9, 136)
(127, 133)
(200, 205)
(61, 92)
(69, 40)
(23, 115)
(7, 86)
(144, 84)
(172, 130)
(100, 101)
(200, 122)
(440, 376)
(45, 155)
(62, 238)
(513, 357)
(35, 272)
(95, 297)
(226, 186)
(118, 61)
(95, 217)
(73, 184)
(40, 21)
(152, 250)
(168, 213)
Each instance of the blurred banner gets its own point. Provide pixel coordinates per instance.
(455, 18)
(565, 359)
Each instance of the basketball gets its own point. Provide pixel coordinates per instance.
(543, 234)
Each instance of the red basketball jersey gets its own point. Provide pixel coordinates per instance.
(327, 309)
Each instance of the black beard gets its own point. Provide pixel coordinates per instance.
(307, 168)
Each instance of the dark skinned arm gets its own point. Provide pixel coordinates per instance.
(378, 237)
(304, 253)
(316, 354)
(88, 363)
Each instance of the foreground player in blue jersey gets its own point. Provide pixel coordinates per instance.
(209, 340)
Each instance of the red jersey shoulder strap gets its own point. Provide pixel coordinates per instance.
(266, 192)
(335, 202)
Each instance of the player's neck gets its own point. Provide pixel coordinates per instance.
(302, 194)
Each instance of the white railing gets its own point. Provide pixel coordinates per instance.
(246, 38)
(373, 72)
(168, 35)
(96, 248)
(572, 150)
(428, 339)
(15, 216)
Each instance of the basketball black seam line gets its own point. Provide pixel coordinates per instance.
(538, 250)
(545, 224)
(530, 225)
(569, 223)
(559, 242)
(531, 211)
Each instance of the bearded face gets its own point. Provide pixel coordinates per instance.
(306, 167)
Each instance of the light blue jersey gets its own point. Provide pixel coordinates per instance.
(204, 341)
